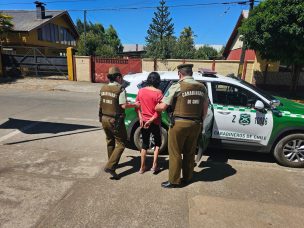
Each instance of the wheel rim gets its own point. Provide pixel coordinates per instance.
(294, 150)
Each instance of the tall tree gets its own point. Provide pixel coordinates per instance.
(275, 29)
(5, 24)
(206, 52)
(160, 37)
(93, 41)
(99, 41)
(112, 39)
(184, 48)
(96, 28)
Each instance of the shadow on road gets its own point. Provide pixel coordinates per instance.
(213, 171)
(134, 163)
(49, 137)
(216, 167)
(42, 127)
(9, 80)
(221, 155)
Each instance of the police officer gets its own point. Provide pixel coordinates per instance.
(111, 115)
(190, 104)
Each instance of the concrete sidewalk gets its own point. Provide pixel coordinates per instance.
(51, 84)
(81, 87)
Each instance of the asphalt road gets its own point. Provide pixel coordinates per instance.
(52, 153)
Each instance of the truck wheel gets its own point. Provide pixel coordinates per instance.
(138, 140)
(289, 151)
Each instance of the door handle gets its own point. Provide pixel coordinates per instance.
(224, 113)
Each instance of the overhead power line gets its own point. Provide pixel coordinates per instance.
(154, 7)
(169, 6)
(50, 2)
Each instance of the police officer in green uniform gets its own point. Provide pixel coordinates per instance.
(190, 104)
(111, 114)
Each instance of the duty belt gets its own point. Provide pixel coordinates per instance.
(186, 118)
(117, 116)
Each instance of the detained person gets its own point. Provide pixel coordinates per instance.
(148, 97)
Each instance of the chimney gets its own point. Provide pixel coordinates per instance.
(136, 47)
(40, 10)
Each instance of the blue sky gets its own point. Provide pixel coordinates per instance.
(212, 24)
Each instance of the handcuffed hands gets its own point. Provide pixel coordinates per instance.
(147, 124)
(137, 104)
(141, 123)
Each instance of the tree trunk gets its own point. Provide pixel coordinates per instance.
(296, 70)
(155, 64)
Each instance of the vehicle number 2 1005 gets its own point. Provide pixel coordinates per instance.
(261, 120)
(257, 120)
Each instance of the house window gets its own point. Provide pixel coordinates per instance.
(52, 30)
(47, 32)
(56, 34)
(66, 37)
(39, 32)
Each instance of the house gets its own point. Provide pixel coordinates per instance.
(233, 48)
(50, 30)
(133, 51)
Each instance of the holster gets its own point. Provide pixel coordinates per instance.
(172, 120)
(118, 122)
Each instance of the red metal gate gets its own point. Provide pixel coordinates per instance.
(100, 67)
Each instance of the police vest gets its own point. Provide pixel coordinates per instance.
(189, 101)
(109, 100)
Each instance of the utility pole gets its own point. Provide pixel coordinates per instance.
(85, 30)
(242, 58)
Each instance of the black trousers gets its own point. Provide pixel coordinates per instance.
(155, 130)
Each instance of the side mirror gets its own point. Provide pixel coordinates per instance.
(259, 105)
(275, 103)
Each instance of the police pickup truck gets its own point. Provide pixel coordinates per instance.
(240, 117)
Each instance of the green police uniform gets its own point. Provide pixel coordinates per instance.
(187, 97)
(111, 115)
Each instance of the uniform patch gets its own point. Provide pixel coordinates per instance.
(244, 119)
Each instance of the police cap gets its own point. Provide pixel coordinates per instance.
(185, 65)
(114, 70)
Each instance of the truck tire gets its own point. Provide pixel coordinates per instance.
(289, 151)
(164, 140)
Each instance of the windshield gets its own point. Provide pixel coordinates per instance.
(265, 94)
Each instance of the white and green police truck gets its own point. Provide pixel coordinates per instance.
(240, 117)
